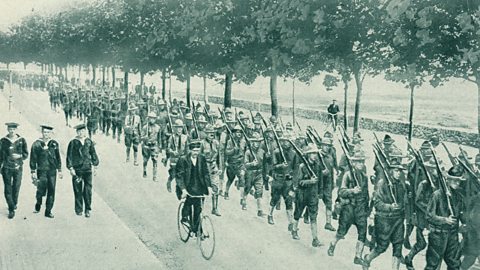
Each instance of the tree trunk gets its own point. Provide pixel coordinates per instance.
(227, 95)
(293, 103)
(273, 93)
(142, 81)
(410, 118)
(358, 82)
(164, 82)
(66, 73)
(188, 92)
(79, 73)
(8, 66)
(94, 74)
(43, 68)
(205, 96)
(56, 70)
(345, 104)
(103, 75)
(170, 87)
(125, 81)
(25, 65)
(477, 80)
(113, 77)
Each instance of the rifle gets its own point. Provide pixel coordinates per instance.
(222, 114)
(298, 125)
(281, 124)
(194, 118)
(387, 176)
(275, 135)
(421, 162)
(453, 160)
(304, 160)
(379, 148)
(185, 131)
(465, 156)
(246, 137)
(469, 170)
(207, 115)
(169, 119)
(443, 184)
(345, 140)
(350, 165)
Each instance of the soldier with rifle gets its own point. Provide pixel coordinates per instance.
(305, 189)
(209, 148)
(389, 200)
(151, 143)
(353, 203)
(254, 159)
(132, 133)
(326, 181)
(445, 218)
(235, 158)
(283, 164)
(176, 147)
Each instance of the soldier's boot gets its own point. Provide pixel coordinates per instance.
(169, 184)
(358, 253)
(278, 206)
(135, 158)
(128, 154)
(406, 240)
(154, 172)
(144, 171)
(314, 230)
(290, 219)
(259, 207)
(38, 206)
(270, 220)
(118, 139)
(306, 218)
(396, 263)
(328, 224)
(331, 249)
(294, 230)
(369, 258)
(215, 206)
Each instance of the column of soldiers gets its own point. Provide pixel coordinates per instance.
(410, 191)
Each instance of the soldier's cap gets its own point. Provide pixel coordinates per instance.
(388, 139)
(178, 123)
(396, 154)
(327, 141)
(269, 129)
(250, 126)
(12, 125)
(396, 165)
(434, 138)
(328, 134)
(243, 116)
(285, 137)
(219, 124)
(195, 144)
(188, 116)
(79, 127)
(454, 174)
(425, 145)
(228, 110)
(430, 164)
(46, 127)
(132, 108)
(162, 102)
(237, 128)
(310, 148)
(256, 137)
(300, 136)
(358, 155)
(209, 129)
(257, 120)
(357, 136)
(152, 115)
(201, 119)
(273, 118)
(288, 125)
(279, 130)
(231, 121)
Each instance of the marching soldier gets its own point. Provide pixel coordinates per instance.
(326, 181)
(209, 148)
(151, 142)
(254, 172)
(305, 192)
(13, 151)
(177, 147)
(81, 156)
(282, 171)
(45, 163)
(132, 133)
(445, 216)
(120, 120)
(389, 200)
(235, 154)
(354, 201)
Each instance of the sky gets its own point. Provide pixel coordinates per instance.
(11, 11)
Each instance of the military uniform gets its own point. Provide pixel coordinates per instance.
(132, 134)
(81, 155)
(151, 142)
(13, 151)
(235, 158)
(209, 148)
(254, 165)
(45, 161)
(177, 147)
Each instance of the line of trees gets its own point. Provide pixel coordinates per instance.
(411, 42)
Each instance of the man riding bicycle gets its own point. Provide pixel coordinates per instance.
(193, 179)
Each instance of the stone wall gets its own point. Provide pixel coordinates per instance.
(395, 127)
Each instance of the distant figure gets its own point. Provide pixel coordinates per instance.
(332, 110)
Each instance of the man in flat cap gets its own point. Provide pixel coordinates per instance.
(13, 151)
(333, 110)
(45, 162)
(81, 155)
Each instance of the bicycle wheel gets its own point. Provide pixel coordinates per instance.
(183, 229)
(206, 239)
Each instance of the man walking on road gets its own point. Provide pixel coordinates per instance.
(45, 161)
(81, 155)
(13, 151)
(332, 110)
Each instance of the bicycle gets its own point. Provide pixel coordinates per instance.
(205, 232)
